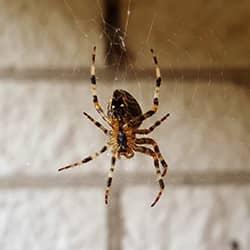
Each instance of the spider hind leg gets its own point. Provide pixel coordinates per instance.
(151, 153)
(150, 141)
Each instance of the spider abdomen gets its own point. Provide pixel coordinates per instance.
(123, 107)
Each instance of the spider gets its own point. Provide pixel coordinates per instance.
(124, 116)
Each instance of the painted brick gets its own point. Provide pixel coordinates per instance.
(189, 33)
(52, 219)
(48, 33)
(44, 128)
(201, 218)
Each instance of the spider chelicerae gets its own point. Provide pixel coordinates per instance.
(124, 116)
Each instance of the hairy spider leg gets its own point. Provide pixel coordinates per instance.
(98, 107)
(151, 153)
(85, 160)
(98, 124)
(110, 177)
(157, 83)
(154, 109)
(152, 142)
(150, 129)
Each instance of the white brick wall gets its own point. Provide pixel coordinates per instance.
(42, 128)
(201, 218)
(52, 219)
(190, 33)
(208, 128)
(45, 33)
(45, 130)
(43, 111)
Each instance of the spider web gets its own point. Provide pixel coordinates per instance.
(135, 78)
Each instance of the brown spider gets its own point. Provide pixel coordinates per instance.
(124, 116)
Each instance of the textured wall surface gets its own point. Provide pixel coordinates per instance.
(52, 219)
(46, 130)
(206, 139)
(45, 33)
(191, 33)
(188, 218)
(207, 128)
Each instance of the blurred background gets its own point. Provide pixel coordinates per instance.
(204, 53)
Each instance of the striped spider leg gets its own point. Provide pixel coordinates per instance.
(152, 142)
(85, 160)
(155, 106)
(110, 177)
(96, 154)
(98, 124)
(99, 109)
(97, 105)
(153, 154)
(156, 154)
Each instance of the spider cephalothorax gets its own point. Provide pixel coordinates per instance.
(124, 116)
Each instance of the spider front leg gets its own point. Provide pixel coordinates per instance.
(151, 153)
(156, 150)
(150, 129)
(154, 109)
(110, 177)
(85, 160)
(157, 86)
(98, 107)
